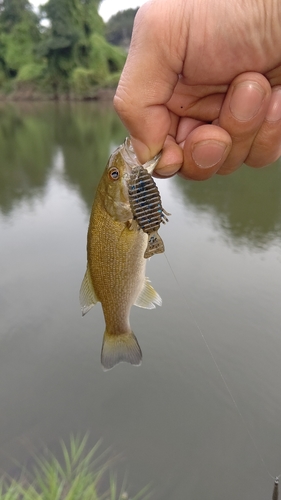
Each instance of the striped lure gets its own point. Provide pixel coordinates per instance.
(145, 202)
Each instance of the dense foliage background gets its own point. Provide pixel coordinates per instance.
(65, 50)
(119, 28)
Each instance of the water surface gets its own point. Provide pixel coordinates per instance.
(172, 421)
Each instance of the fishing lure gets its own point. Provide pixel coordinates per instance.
(146, 205)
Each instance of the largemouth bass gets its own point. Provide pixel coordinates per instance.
(115, 274)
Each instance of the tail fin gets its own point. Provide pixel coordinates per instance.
(155, 245)
(118, 348)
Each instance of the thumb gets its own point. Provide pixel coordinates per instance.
(149, 78)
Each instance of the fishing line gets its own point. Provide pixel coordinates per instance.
(275, 478)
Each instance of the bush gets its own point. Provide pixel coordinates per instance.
(105, 58)
(113, 79)
(83, 80)
(31, 72)
(98, 57)
(3, 77)
(19, 46)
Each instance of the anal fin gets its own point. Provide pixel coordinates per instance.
(148, 297)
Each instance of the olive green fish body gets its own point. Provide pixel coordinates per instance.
(115, 274)
(116, 266)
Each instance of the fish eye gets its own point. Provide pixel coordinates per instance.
(113, 173)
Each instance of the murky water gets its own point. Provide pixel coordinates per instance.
(172, 421)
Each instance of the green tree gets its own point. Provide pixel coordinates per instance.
(19, 34)
(66, 43)
(119, 27)
(12, 12)
(89, 22)
(20, 44)
(60, 39)
(104, 64)
(79, 58)
(71, 54)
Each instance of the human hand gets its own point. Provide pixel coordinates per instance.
(202, 81)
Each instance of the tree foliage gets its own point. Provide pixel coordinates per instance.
(119, 27)
(19, 34)
(67, 54)
(13, 12)
(59, 42)
(20, 45)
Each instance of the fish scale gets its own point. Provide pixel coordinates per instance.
(146, 205)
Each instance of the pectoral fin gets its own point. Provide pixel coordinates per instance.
(148, 297)
(87, 294)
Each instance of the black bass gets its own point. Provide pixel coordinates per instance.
(116, 245)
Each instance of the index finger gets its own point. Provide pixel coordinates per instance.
(149, 78)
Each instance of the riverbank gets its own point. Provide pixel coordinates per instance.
(31, 94)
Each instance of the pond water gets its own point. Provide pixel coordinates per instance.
(201, 418)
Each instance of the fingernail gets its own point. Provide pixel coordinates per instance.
(274, 109)
(168, 170)
(246, 100)
(207, 154)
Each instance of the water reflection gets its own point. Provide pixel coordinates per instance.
(31, 137)
(172, 420)
(26, 150)
(34, 139)
(245, 207)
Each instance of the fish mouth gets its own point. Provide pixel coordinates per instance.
(131, 159)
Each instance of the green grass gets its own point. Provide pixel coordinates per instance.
(80, 475)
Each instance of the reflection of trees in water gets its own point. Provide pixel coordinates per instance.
(86, 143)
(25, 155)
(30, 135)
(245, 205)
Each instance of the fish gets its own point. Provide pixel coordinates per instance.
(115, 273)
(146, 205)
